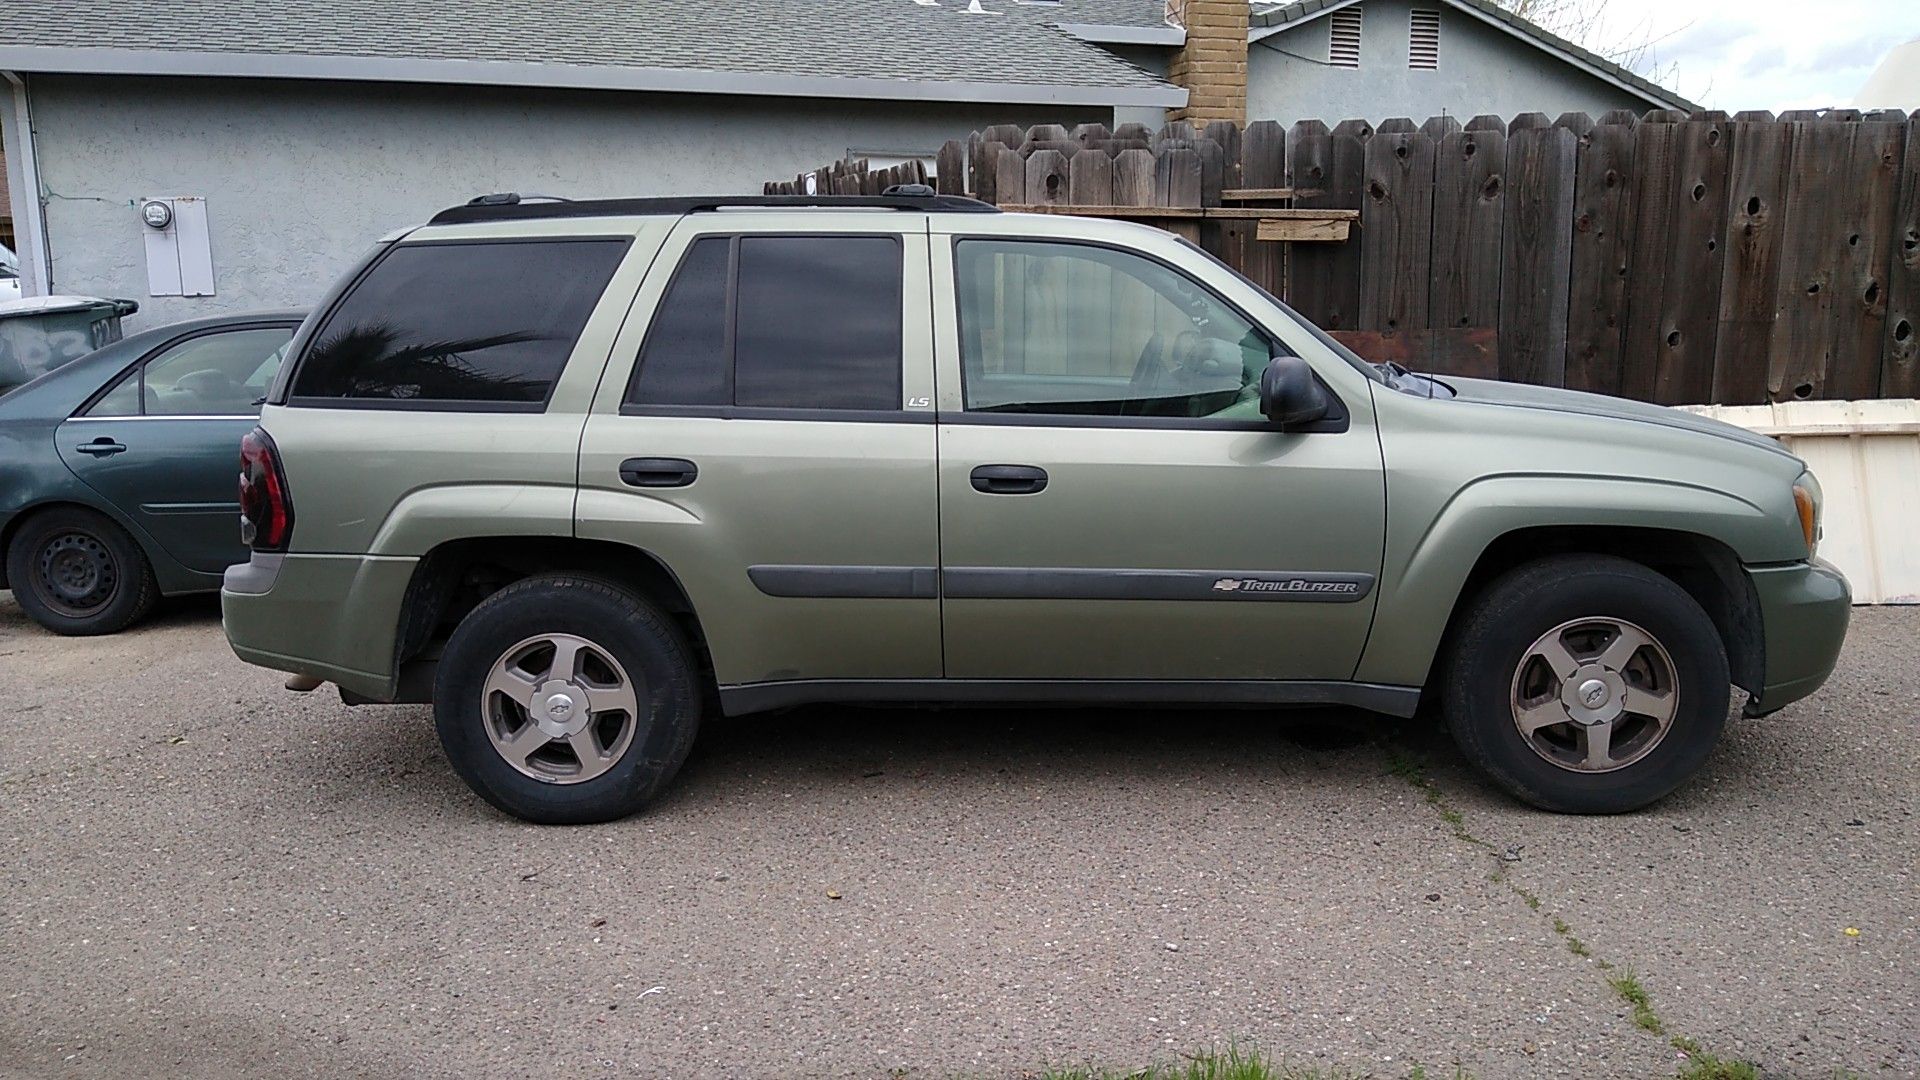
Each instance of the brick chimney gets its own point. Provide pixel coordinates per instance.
(1212, 65)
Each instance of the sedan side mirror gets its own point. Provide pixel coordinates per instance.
(1289, 394)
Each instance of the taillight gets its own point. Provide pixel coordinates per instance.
(266, 508)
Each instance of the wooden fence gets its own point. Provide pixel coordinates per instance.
(1671, 257)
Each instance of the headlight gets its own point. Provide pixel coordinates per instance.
(1806, 501)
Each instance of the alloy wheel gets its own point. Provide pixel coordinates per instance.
(1594, 694)
(560, 708)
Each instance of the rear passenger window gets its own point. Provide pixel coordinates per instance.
(778, 322)
(487, 323)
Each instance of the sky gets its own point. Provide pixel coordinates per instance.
(1761, 54)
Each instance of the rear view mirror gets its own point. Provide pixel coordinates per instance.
(1289, 394)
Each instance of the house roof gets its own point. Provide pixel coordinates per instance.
(890, 49)
(1286, 16)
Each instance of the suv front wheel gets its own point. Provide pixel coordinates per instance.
(1586, 684)
(566, 700)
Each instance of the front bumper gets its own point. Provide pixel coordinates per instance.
(333, 617)
(1804, 609)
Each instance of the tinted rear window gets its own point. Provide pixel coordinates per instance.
(463, 322)
(778, 322)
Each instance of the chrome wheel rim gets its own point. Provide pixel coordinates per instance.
(76, 574)
(1594, 695)
(559, 708)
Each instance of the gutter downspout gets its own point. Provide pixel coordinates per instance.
(29, 213)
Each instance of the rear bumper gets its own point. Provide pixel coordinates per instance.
(1804, 608)
(333, 617)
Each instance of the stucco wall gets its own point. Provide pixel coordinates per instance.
(1482, 70)
(301, 177)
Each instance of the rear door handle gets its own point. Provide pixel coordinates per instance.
(101, 447)
(1009, 479)
(658, 472)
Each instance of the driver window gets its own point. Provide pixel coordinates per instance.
(214, 375)
(1078, 330)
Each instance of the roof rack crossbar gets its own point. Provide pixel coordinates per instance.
(508, 207)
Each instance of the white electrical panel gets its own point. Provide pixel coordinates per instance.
(180, 251)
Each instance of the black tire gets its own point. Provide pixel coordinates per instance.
(1502, 624)
(77, 572)
(643, 640)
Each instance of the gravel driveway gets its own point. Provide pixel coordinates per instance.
(207, 875)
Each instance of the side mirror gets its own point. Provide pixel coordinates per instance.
(1289, 396)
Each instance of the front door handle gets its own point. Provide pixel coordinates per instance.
(101, 447)
(658, 472)
(1009, 479)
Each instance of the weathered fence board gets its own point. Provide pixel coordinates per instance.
(1537, 252)
(1263, 166)
(1396, 228)
(1756, 195)
(1324, 282)
(1801, 347)
(1900, 370)
(1603, 206)
(1689, 310)
(1873, 159)
(1469, 200)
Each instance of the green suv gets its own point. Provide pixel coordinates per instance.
(581, 473)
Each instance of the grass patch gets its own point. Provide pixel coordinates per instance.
(1577, 947)
(1233, 1063)
(1708, 1067)
(1634, 994)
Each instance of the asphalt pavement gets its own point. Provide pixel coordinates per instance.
(207, 875)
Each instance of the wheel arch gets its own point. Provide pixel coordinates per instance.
(455, 575)
(1706, 568)
(165, 569)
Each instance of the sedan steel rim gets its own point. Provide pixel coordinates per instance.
(1595, 694)
(559, 708)
(76, 573)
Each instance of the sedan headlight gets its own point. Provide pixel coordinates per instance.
(1806, 501)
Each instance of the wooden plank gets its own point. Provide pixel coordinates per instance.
(1047, 177)
(1396, 230)
(1471, 352)
(1177, 180)
(1870, 175)
(1537, 251)
(1323, 281)
(1133, 178)
(950, 166)
(1647, 259)
(1900, 359)
(1216, 213)
(1439, 127)
(1689, 312)
(1010, 175)
(1756, 197)
(1800, 350)
(1296, 231)
(1091, 135)
(1090, 179)
(1269, 194)
(1263, 156)
(1469, 203)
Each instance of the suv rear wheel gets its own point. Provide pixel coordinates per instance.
(1586, 684)
(76, 572)
(566, 700)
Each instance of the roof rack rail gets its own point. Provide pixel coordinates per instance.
(508, 206)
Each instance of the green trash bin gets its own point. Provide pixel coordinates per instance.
(41, 333)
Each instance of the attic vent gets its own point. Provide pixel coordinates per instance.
(1423, 40)
(1343, 46)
